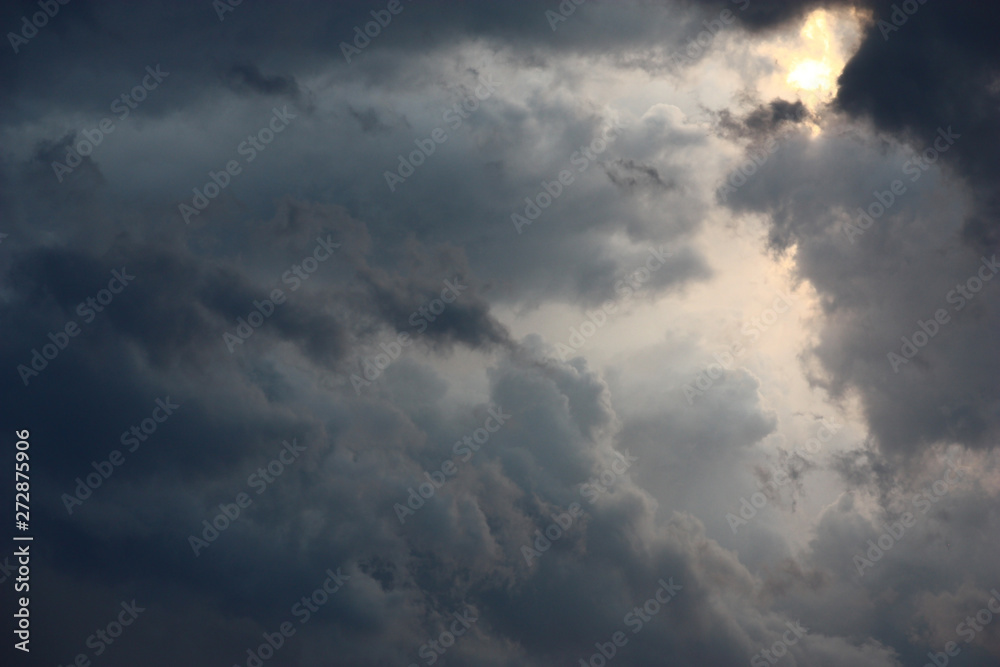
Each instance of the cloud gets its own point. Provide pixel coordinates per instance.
(247, 78)
(484, 304)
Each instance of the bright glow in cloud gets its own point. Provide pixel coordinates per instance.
(806, 64)
(811, 75)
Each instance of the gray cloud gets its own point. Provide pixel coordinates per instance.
(447, 230)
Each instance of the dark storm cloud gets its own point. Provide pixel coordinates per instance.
(936, 72)
(299, 42)
(460, 314)
(938, 537)
(929, 81)
(938, 69)
(369, 120)
(308, 42)
(162, 336)
(760, 15)
(629, 176)
(864, 468)
(931, 75)
(763, 122)
(876, 290)
(250, 79)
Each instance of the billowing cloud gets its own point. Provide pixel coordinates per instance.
(469, 333)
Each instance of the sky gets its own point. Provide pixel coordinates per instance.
(479, 333)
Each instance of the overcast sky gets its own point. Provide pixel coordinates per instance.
(481, 333)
